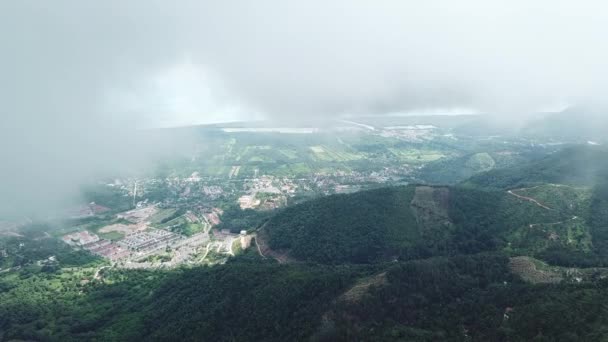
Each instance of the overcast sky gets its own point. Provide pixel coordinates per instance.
(77, 76)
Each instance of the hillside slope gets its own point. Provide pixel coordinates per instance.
(449, 171)
(576, 165)
(573, 124)
(404, 223)
(474, 298)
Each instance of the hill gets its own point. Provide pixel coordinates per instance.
(562, 224)
(583, 165)
(449, 171)
(469, 298)
(410, 222)
(575, 124)
(474, 298)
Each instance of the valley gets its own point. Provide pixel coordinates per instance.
(384, 229)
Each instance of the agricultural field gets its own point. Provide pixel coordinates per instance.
(289, 153)
(237, 154)
(416, 156)
(329, 154)
(536, 271)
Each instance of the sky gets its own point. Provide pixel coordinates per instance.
(80, 76)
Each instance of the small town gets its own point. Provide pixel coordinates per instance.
(144, 246)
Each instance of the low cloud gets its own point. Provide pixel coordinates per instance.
(79, 77)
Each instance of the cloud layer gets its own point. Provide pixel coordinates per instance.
(78, 76)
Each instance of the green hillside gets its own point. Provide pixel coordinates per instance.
(474, 298)
(411, 222)
(472, 279)
(360, 227)
(577, 165)
(561, 224)
(454, 170)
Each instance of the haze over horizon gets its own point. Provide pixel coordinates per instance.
(80, 76)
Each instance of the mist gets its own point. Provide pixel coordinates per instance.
(79, 78)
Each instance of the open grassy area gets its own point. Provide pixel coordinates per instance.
(236, 247)
(326, 153)
(158, 258)
(416, 156)
(162, 214)
(111, 235)
(192, 228)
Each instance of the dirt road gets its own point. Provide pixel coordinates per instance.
(529, 199)
(97, 276)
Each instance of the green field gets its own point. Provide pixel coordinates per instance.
(111, 235)
(325, 153)
(416, 156)
(289, 153)
(162, 214)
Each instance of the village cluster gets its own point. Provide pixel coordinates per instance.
(139, 239)
(136, 236)
(92, 243)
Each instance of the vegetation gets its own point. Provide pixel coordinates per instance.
(577, 165)
(389, 223)
(470, 298)
(248, 299)
(458, 169)
(327, 230)
(109, 197)
(518, 252)
(284, 303)
(236, 219)
(35, 245)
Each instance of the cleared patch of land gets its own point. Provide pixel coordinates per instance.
(264, 249)
(430, 206)
(537, 271)
(122, 228)
(534, 271)
(357, 292)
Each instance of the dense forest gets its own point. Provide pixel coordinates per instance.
(398, 223)
(328, 230)
(453, 299)
(471, 298)
(236, 219)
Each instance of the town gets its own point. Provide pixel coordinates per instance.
(188, 228)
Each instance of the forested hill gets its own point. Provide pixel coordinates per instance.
(560, 224)
(401, 223)
(577, 165)
(463, 298)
